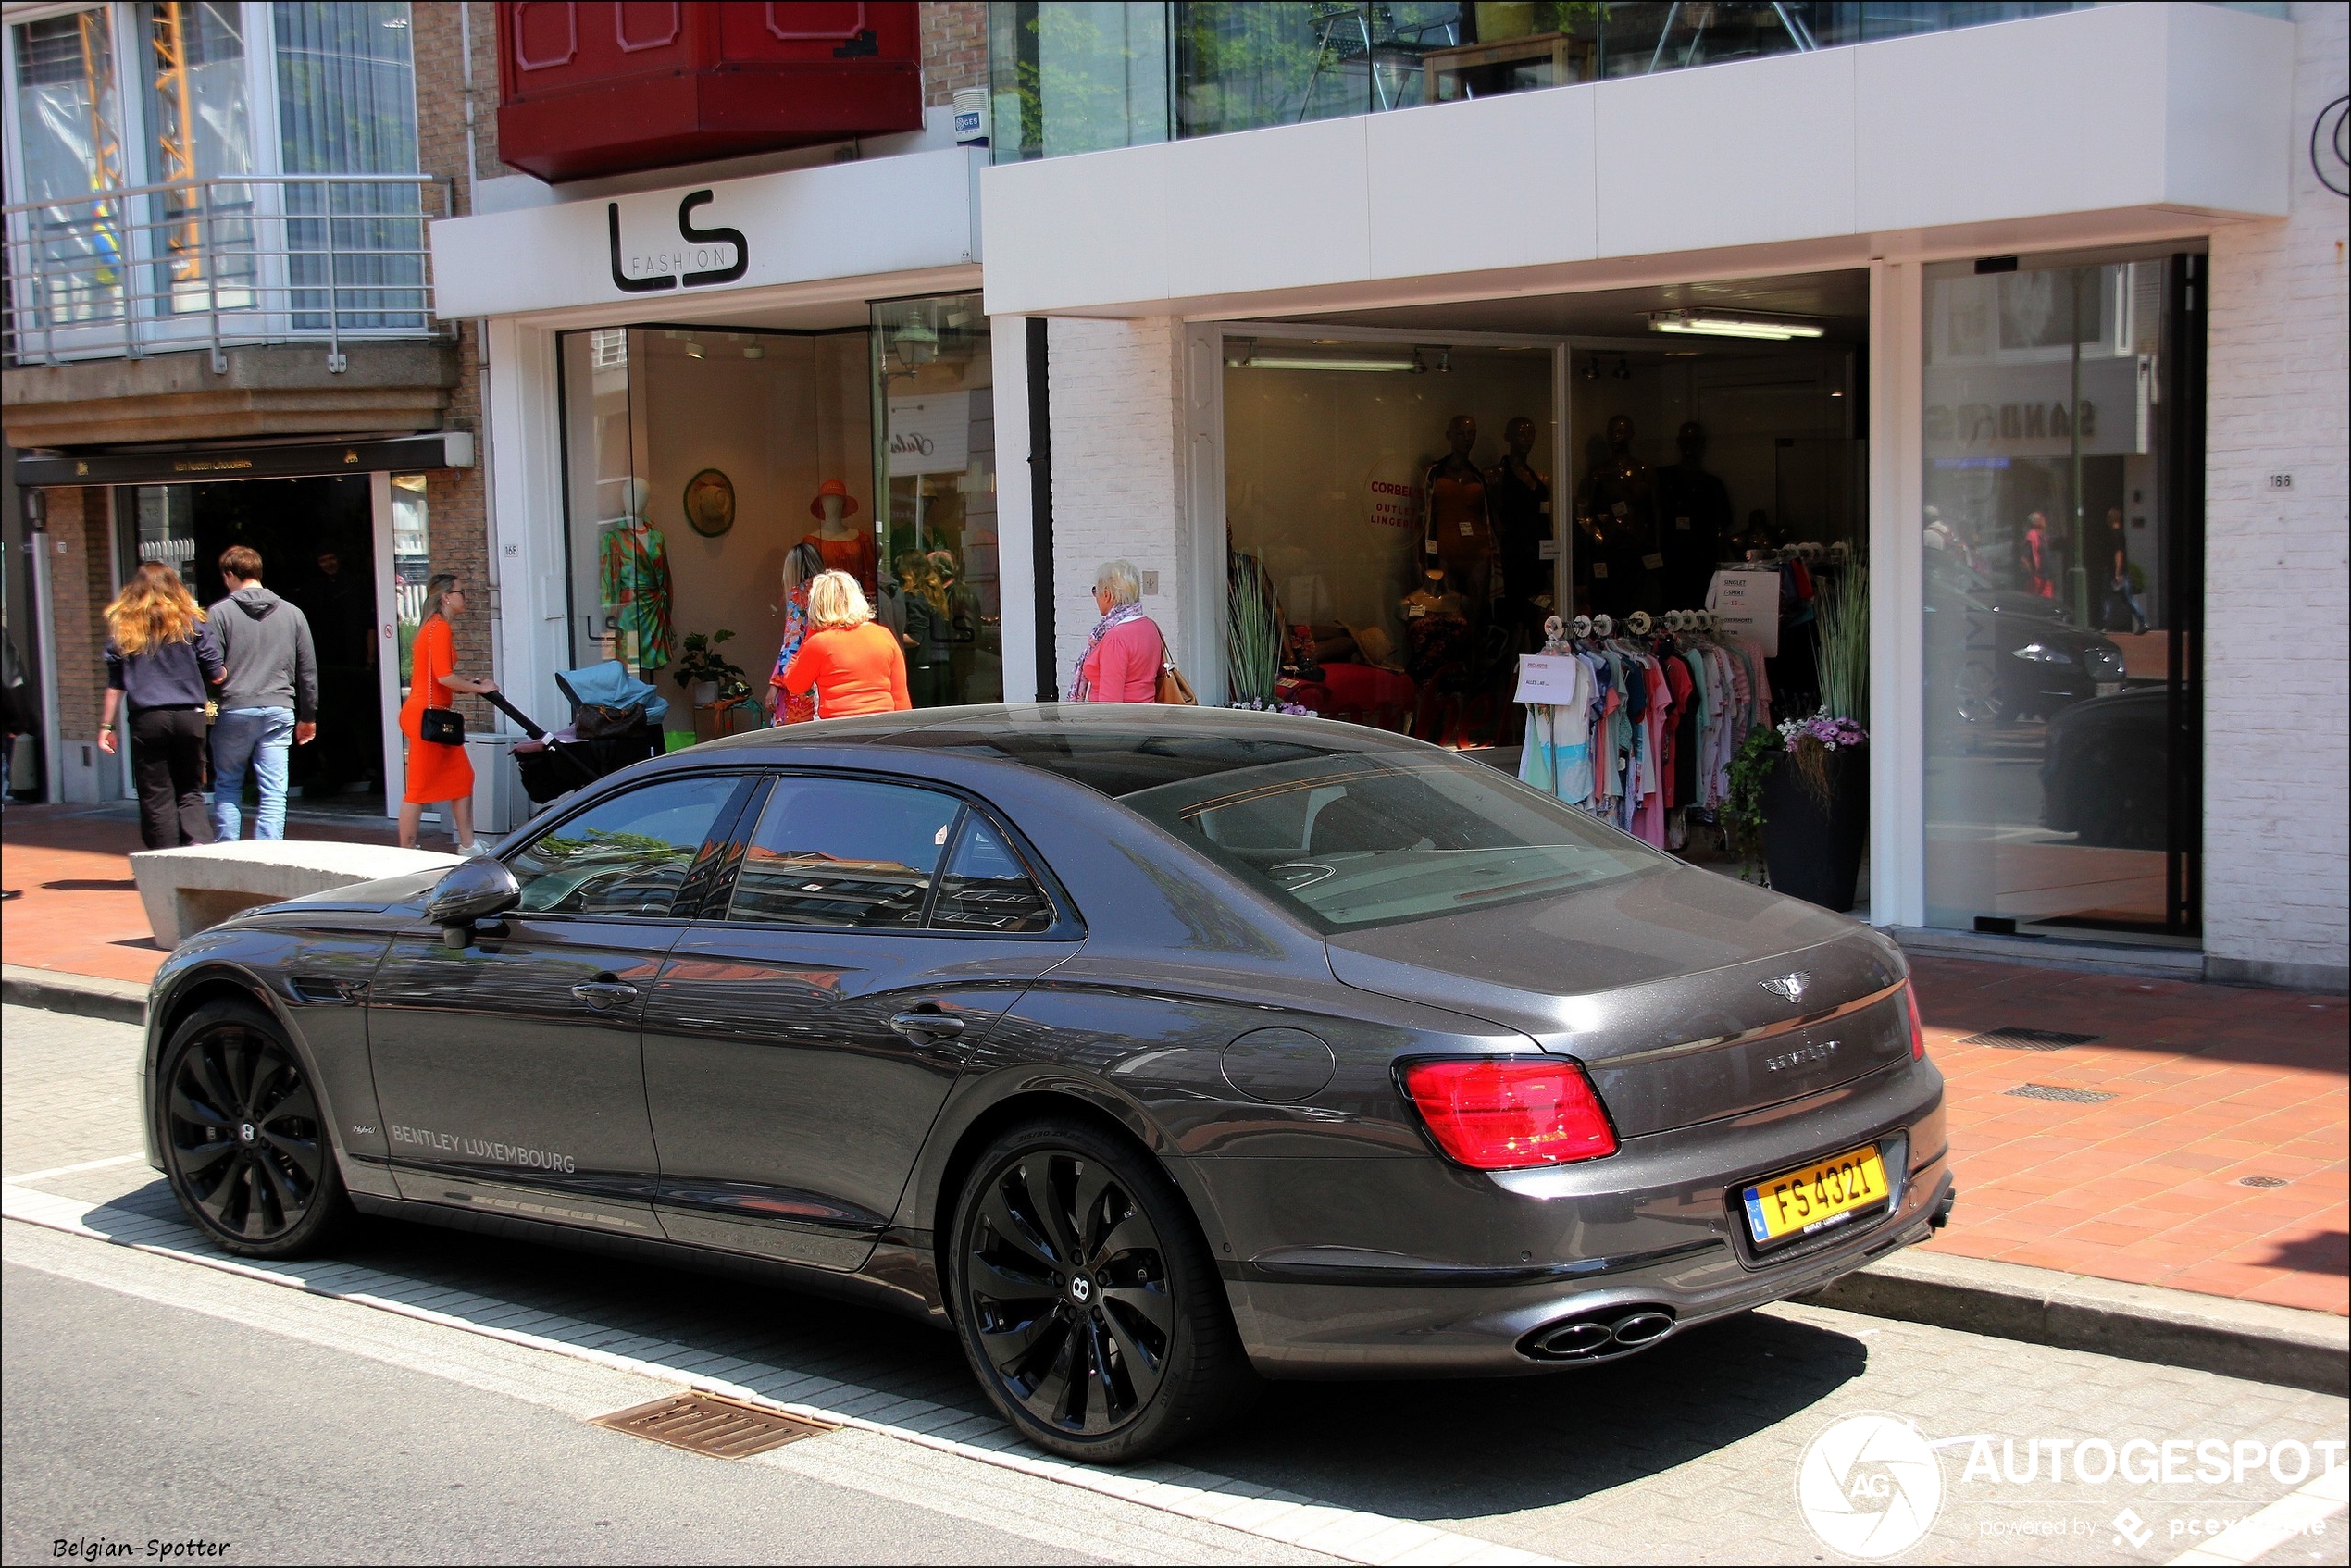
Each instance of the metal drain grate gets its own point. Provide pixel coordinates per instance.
(2260, 1181)
(2007, 1038)
(706, 1423)
(2057, 1091)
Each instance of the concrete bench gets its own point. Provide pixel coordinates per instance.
(187, 889)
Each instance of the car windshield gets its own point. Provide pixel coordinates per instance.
(1372, 837)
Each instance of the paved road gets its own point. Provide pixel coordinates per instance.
(1687, 1454)
(128, 1420)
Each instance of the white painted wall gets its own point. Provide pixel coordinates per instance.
(1118, 485)
(2277, 833)
(2120, 109)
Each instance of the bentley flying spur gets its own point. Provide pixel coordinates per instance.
(1150, 1051)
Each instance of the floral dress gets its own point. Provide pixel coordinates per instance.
(789, 708)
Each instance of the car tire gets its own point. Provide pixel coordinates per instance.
(1086, 1299)
(243, 1135)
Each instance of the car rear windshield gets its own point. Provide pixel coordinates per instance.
(1359, 839)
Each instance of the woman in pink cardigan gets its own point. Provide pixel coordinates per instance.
(1123, 658)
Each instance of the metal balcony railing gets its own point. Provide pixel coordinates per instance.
(219, 263)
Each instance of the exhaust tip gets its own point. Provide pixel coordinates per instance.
(1596, 1336)
(1641, 1327)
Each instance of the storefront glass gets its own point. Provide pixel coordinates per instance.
(1376, 535)
(2063, 582)
(938, 467)
(696, 461)
(1080, 76)
(68, 137)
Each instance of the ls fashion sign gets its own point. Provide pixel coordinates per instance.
(862, 226)
(697, 263)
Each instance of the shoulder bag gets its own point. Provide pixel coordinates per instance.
(1172, 690)
(443, 726)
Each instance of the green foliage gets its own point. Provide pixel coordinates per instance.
(699, 660)
(1743, 809)
(1841, 655)
(1253, 632)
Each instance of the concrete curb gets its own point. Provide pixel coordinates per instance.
(2249, 1340)
(87, 995)
(2298, 1349)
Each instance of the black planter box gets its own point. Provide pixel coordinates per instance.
(1813, 847)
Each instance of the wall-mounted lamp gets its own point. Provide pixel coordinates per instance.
(915, 344)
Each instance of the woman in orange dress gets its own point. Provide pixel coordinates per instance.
(438, 773)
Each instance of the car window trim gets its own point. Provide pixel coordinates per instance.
(673, 917)
(1068, 924)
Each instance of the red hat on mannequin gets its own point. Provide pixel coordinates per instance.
(832, 487)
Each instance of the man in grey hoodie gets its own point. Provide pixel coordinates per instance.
(269, 704)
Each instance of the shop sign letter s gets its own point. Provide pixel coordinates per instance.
(692, 236)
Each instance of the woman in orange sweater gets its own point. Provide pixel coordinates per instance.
(855, 665)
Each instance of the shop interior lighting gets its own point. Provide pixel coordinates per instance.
(1623, 371)
(1444, 360)
(1727, 323)
(693, 349)
(753, 350)
(1592, 369)
(1250, 359)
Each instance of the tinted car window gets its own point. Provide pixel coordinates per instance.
(626, 856)
(842, 851)
(986, 888)
(1369, 838)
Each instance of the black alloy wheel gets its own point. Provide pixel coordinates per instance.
(243, 1135)
(1086, 1301)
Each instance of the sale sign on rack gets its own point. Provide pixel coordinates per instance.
(1747, 605)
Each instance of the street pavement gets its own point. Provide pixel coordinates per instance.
(1689, 1453)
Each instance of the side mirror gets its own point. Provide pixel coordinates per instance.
(481, 888)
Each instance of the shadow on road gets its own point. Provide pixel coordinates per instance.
(1505, 1445)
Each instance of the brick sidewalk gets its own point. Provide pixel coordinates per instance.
(2208, 1085)
(71, 905)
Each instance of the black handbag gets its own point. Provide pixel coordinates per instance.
(443, 726)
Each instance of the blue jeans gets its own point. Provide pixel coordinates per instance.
(261, 738)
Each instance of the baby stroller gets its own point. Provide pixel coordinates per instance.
(615, 720)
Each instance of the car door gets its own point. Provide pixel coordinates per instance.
(510, 1072)
(803, 1038)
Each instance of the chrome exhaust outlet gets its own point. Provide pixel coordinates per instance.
(1598, 1335)
(1641, 1327)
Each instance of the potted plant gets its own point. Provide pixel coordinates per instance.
(1814, 799)
(707, 675)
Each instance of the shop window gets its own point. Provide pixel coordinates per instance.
(697, 462)
(411, 565)
(2063, 584)
(1383, 566)
(940, 590)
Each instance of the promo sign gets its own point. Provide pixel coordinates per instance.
(1747, 605)
(1545, 678)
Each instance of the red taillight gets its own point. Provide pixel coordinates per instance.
(1502, 1112)
(1918, 1031)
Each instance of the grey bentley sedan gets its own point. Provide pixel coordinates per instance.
(1151, 1051)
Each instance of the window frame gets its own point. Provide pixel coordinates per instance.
(693, 890)
(1068, 925)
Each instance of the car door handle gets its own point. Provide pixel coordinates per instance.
(605, 995)
(919, 1026)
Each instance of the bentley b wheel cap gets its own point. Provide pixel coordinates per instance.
(1081, 1291)
(244, 1132)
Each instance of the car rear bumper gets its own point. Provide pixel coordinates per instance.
(1650, 1229)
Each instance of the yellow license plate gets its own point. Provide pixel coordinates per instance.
(1814, 1196)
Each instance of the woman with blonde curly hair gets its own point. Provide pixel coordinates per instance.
(160, 658)
(852, 664)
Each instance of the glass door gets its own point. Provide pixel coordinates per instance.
(2063, 593)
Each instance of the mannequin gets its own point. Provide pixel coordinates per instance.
(633, 585)
(844, 546)
(1440, 642)
(1520, 500)
(1621, 500)
(1460, 531)
(1694, 507)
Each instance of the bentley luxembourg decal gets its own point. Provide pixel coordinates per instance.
(483, 1149)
